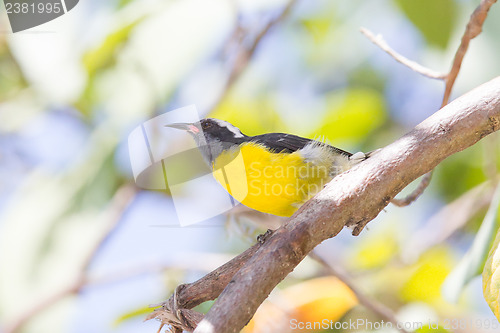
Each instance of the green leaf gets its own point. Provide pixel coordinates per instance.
(139, 312)
(318, 27)
(104, 55)
(472, 263)
(352, 114)
(434, 18)
(427, 277)
(426, 328)
(466, 166)
(101, 58)
(252, 115)
(491, 277)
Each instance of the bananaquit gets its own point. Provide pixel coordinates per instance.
(273, 173)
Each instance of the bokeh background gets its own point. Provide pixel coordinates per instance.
(82, 249)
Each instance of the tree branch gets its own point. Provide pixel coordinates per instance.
(209, 287)
(354, 198)
(473, 29)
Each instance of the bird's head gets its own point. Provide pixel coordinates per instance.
(212, 136)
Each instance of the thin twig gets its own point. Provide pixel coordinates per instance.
(117, 207)
(426, 180)
(473, 29)
(375, 306)
(416, 67)
(448, 220)
(119, 203)
(380, 42)
(246, 53)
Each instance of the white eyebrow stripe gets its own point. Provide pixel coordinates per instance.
(237, 133)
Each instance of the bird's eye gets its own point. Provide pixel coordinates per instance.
(205, 125)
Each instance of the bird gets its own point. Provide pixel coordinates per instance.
(273, 173)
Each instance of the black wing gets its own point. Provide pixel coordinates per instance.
(289, 143)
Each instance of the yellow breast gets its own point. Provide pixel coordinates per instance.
(270, 182)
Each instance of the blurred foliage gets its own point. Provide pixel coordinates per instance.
(467, 167)
(139, 312)
(320, 298)
(374, 252)
(254, 115)
(106, 53)
(99, 59)
(352, 114)
(368, 77)
(435, 19)
(491, 275)
(473, 261)
(12, 80)
(427, 329)
(318, 27)
(312, 301)
(430, 272)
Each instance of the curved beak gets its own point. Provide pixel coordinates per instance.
(191, 128)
